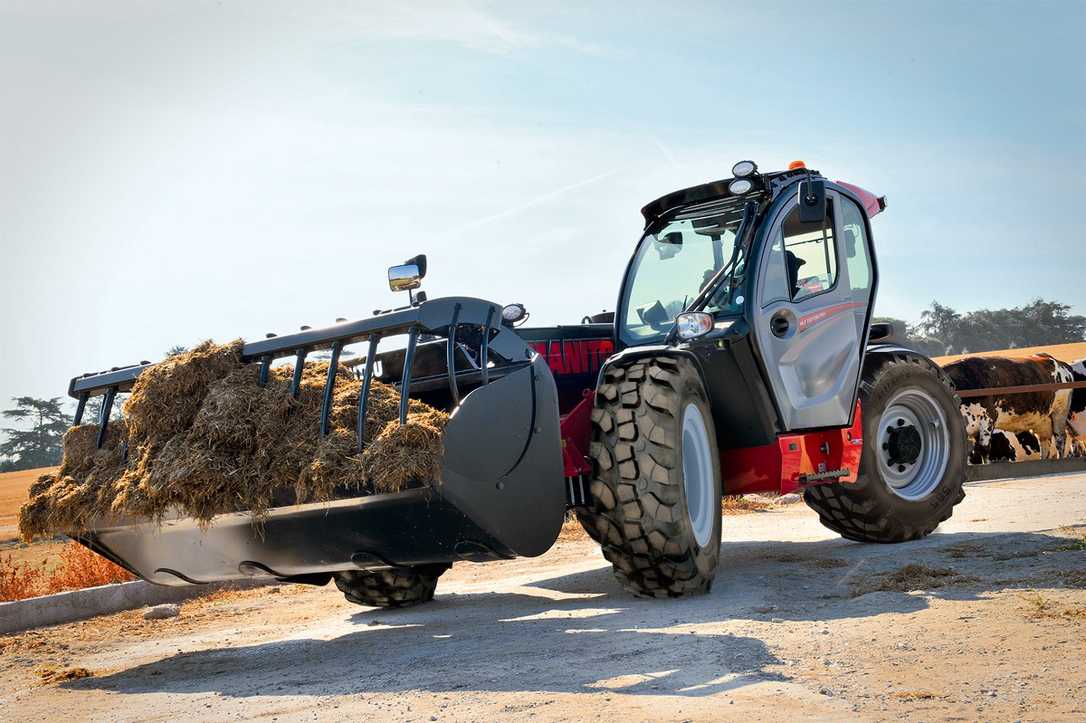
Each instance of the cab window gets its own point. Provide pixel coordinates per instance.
(810, 254)
(802, 259)
(856, 256)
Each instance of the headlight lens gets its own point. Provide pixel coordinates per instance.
(692, 324)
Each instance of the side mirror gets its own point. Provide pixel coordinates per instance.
(408, 275)
(812, 201)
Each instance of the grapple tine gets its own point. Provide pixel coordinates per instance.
(450, 357)
(484, 347)
(80, 408)
(265, 365)
(363, 396)
(329, 386)
(405, 383)
(296, 380)
(103, 415)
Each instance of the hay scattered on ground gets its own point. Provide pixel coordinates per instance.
(742, 504)
(199, 435)
(910, 578)
(49, 675)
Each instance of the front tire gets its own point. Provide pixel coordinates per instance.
(913, 462)
(397, 587)
(656, 488)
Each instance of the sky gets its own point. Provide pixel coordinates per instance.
(181, 171)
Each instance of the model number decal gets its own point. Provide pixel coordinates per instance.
(574, 356)
(815, 317)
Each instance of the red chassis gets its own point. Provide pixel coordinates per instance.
(793, 462)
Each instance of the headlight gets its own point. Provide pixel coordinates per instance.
(692, 324)
(744, 169)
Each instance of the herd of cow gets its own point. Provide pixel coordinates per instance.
(1022, 426)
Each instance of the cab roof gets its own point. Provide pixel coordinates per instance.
(763, 183)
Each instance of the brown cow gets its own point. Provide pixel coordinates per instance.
(1045, 414)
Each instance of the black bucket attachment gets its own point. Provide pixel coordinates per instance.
(501, 489)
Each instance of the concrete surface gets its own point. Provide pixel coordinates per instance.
(783, 635)
(64, 607)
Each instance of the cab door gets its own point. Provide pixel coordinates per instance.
(809, 322)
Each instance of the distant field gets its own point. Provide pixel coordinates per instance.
(1063, 352)
(13, 493)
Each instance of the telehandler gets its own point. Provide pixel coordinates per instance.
(741, 358)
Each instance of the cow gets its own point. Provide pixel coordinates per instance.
(1013, 447)
(1045, 414)
(1076, 415)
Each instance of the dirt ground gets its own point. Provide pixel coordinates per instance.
(993, 627)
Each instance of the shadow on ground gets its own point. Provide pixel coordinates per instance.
(579, 632)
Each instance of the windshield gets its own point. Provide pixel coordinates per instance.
(671, 267)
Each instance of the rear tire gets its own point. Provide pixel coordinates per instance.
(656, 487)
(398, 587)
(907, 483)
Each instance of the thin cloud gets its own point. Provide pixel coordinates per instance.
(537, 201)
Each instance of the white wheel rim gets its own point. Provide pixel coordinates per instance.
(917, 476)
(698, 475)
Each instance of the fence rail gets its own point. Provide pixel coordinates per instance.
(1023, 389)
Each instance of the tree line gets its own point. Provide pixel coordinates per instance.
(943, 330)
(37, 438)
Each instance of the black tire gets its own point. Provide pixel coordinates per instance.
(398, 587)
(869, 510)
(639, 511)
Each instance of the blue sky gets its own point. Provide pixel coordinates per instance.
(178, 171)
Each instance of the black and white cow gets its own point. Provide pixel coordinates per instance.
(1044, 414)
(1013, 447)
(1076, 415)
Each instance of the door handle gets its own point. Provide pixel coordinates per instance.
(779, 325)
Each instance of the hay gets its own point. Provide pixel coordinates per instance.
(200, 436)
(910, 578)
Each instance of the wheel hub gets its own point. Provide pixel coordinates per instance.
(903, 445)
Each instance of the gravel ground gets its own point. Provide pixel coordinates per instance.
(986, 619)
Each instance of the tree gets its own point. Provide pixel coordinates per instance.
(39, 446)
(175, 350)
(94, 408)
(943, 330)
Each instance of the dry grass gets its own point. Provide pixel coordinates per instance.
(1038, 607)
(741, 504)
(76, 569)
(914, 695)
(910, 578)
(48, 675)
(80, 568)
(14, 492)
(19, 580)
(200, 436)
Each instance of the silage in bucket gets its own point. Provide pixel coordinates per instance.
(201, 437)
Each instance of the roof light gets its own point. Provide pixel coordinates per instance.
(744, 169)
(740, 186)
(796, 165)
